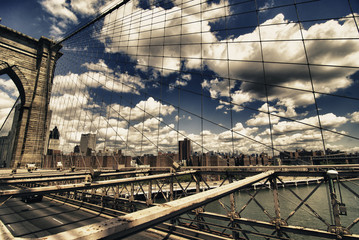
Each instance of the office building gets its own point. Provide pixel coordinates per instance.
(87, 143)
(184, 150)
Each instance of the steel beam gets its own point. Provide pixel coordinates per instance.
(42, 180)
(82, 186)
(188, 233)
(65, 177)
(31, 175)
(141, 220)
(345, 170)
(282, 167)
(289, 229)
(5, 234)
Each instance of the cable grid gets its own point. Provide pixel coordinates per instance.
(232, 76)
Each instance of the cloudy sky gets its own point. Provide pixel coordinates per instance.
(242, 76)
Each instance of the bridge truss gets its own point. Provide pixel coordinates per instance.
(232, 77)
(191, 204)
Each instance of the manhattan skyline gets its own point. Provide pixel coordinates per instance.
(232, 76)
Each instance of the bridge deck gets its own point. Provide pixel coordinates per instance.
(140, 220)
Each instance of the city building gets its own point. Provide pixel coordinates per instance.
(184, 150)
(149, 159)
(165, 159)
(299, 157)
(214, 160)
(87, 143)
(54, 141)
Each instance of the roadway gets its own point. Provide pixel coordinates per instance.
(48, 217)
(39, 219)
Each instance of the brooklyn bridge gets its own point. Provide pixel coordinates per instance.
(225, 119)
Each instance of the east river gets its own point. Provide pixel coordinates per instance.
(288, 202)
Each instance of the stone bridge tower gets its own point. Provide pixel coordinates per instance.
(30, 63)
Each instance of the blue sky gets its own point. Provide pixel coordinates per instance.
(27, 17)
(37, 18)
(148, 81)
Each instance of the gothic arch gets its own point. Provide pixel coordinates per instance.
(14, 73)
(30, 63)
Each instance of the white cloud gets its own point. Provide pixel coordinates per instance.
(328, 120)
(354, 117)
(60, 9)
(217, 87)
(289, 135)
(101, 66)
(4, 112)
(67, 13)
(8, 86)
(239, 98)
(222, 141)
(86, 7)
(181, 82)
(143, 110)
(262, 118)
(326, 79)
(165, 41)
(7, 98)
(67, 103)
(147, 41)
(68, 83)
(221, 88)
(310, 140)
(56, 32)
(267, 5)
(100, 76)
(219, 107)
(161, 36)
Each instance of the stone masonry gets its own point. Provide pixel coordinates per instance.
(30, 63)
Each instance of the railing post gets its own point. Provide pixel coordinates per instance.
(337, 228)
(171, 188)
(116, 196)
(233, 214)
(275, 197)
(83, 195)
(197, 177)
(132, 192)
(132, 197)
(277, 220)
(149, 194)
(75, 195)
(103, 194)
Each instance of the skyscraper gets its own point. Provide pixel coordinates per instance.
(184, 149)
(88, 141)
(54, 140)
